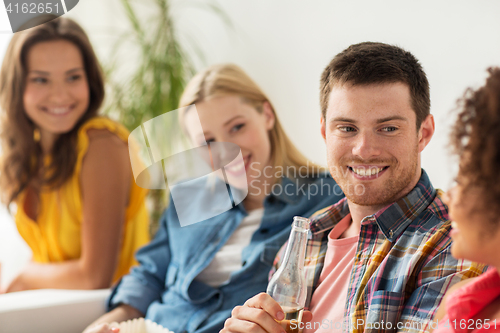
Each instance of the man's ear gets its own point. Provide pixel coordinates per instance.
(270, 117)
(323, 128)
(425, 132)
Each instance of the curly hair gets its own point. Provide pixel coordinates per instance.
(475, 138)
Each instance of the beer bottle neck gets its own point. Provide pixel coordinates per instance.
(295, 250)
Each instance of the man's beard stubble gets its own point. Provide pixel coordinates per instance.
(384, 194)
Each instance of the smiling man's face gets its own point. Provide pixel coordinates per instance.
(372, 141)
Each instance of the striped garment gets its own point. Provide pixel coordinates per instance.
(403, 264)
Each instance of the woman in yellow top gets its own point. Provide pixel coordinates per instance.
(66, 168)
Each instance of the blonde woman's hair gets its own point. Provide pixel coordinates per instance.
(229, 80)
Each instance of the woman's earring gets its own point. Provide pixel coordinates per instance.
(36, 135)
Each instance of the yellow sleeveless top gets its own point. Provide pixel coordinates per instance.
(56, 235)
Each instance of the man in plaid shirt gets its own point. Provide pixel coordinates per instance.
(379, 260)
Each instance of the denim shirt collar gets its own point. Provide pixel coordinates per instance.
(287, 190)
(292, 190)
(393, 219)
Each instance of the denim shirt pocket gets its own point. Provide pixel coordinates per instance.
(173, 269)
(269, 253)
(384, 311)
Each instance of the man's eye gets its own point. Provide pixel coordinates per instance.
(389, 129)
(209, 140)
(346, 129)
(236, 128)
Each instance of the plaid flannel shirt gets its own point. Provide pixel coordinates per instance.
(402, 267)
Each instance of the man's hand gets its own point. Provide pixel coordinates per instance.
(260, 314)
(102, 328)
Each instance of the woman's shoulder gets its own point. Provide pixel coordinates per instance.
(103, 140)
(103, 130)
(99, 127)
(103, 137)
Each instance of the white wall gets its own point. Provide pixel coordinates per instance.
(14, 252)
(285, 44)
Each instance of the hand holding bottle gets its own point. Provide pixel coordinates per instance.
(282, 308)
(288, 285)
(260, 314)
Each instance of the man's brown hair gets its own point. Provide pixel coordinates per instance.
(375, 63)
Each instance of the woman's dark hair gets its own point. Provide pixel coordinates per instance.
(475, 138)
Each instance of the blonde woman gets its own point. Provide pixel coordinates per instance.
(66, 168)
(191, 277)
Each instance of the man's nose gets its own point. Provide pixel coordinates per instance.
(366, 145)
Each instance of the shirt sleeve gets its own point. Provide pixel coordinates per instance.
(434, 280)
(146, 282)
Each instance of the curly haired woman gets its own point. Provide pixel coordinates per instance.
(474, 304)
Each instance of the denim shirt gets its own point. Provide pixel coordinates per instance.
(164, 287)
